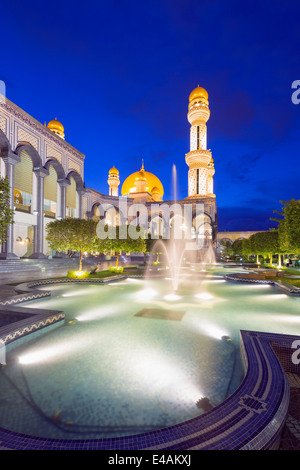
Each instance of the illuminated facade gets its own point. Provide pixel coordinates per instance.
(46, 177)
(199, 159)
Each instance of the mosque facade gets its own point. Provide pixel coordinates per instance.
(46, 178)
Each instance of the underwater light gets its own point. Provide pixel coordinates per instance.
(146, 294)
(226, 338)
(204, 296)
(71, 322)
(172, 297)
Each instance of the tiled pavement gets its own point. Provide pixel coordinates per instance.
(290, 439)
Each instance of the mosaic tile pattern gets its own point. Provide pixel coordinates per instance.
(251, 418)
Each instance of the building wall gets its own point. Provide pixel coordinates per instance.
(22, 138)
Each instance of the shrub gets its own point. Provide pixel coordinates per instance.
(116, 269)
(77, 274)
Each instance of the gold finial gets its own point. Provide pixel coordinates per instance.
(142, 164)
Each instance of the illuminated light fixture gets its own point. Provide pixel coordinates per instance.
(204, 404)
(27, 240)
(146, 294)
(19, 239)
(226, 338)
(172, 297)
(79, 273)
(204, 296)
(71, 322)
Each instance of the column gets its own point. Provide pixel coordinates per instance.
(7, 251)
(38, 253)
(80, 193)
(61, 203)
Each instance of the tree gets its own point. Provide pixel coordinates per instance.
(72, 234)
(247, 247)
(289, 226)
(154, 246)
(118, 239)
(226, 247)
(237, 247)
(262, 243)
(6, 214)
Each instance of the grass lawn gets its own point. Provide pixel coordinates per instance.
(288, 280)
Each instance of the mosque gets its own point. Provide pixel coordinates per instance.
(46, 177)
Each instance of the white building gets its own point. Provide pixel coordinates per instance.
(46, 177)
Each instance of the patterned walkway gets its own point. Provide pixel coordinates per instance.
(291, 434)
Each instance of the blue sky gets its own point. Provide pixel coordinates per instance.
(118, 74)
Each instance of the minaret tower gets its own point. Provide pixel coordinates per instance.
(199, 159)
(113, 181)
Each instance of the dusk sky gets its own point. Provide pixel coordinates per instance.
(118, 75)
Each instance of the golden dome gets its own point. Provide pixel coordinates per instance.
(56, 127)
(129, 185)
(113, 171)
(198, 92)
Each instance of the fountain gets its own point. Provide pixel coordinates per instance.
(177, 249)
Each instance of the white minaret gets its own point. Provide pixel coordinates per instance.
(199, 159)
(113, 181)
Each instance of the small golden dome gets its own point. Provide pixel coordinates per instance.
(113, 171)
(198, 92)
(56, 127)
(155, 190)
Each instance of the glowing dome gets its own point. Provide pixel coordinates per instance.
(198, 92)
(129, 185)
(113, 171)
(56, 127)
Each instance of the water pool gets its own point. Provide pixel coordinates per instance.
(135, 360)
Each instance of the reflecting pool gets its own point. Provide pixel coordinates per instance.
(132, 356)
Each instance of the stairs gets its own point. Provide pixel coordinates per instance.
(26, 264)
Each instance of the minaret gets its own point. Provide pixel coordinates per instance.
(113, 181)
(199, 159)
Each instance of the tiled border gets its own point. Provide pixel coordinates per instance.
(247, 278)
(251, 418)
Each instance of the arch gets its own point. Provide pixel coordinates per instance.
(61, 176)
(32, 153)
(156, 225)
(94, 209)
(24, 195)
(201, 219)
(5, 147)
(225, 240)
(78, 180)
(51, 192)
(239, 239)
